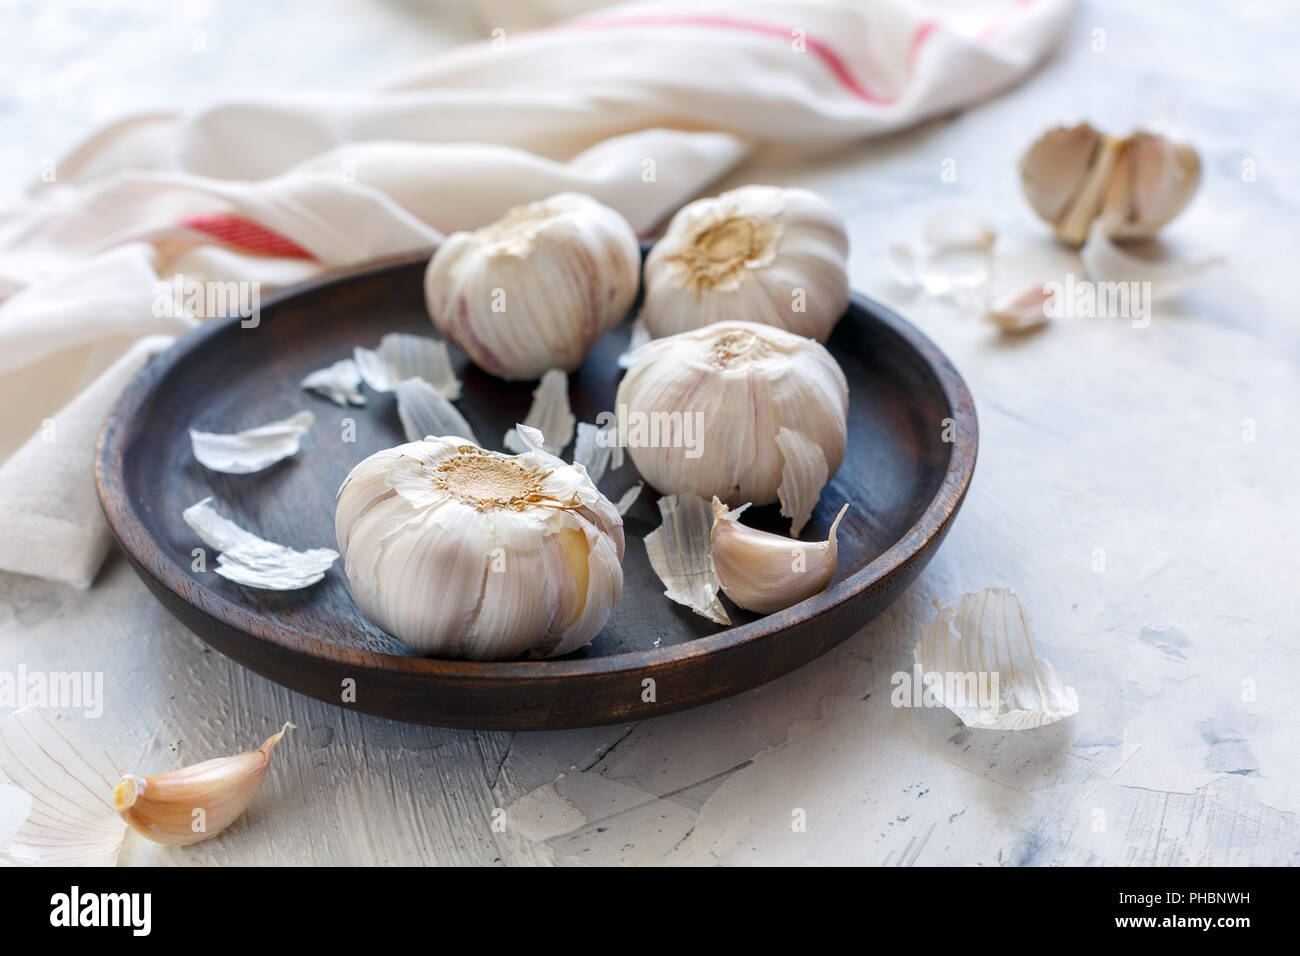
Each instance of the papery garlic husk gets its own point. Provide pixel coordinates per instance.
(755, 254)
(534, 290)
(764, 572)
(472, 554)
(164, 807)
(1136, 184)
(700, 412)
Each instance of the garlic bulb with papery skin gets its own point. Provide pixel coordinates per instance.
(468, 553)
(534, 290)
(764, 572)
(701, 412)
(1136, 184)
(754, 254)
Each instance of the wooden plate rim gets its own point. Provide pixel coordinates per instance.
(127, 525)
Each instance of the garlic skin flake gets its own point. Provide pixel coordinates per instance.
(340, 383)
(986, 636)
(471, 554)
(534, 290)
(1134, 185)
(252, 561)
(550, 414)
(758, 254)
(194, 803)
(422, 410)
(71, 822)
(679, 554)
(700, 412)
(764, 572)
(401, 356)
(253, 449)
(1105, 261)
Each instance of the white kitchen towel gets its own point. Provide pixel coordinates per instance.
(640, 105)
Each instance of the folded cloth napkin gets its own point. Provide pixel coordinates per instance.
(638, 105)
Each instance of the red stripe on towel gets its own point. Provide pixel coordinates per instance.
(246, 235)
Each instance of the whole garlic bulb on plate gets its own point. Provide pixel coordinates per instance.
(1137, 184)
(755, 254)
(468, 553)
(534, 290)
(735, 410)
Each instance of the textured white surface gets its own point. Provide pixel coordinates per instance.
(1095, 436)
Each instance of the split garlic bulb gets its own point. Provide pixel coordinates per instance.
(468, 553)
(737, 410)
(1072, 176)
(534, 290)
(756, 254)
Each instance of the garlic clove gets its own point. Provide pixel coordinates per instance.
(534, 290)
(1020, 313)
(1065, 174)
(764, 572)
(194, 803)
(1054, 168)
(757, 254)
(1154, 179)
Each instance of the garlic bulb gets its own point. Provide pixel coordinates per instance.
(534, 290)
(758, 254)
(764, 572)
(700, 413)
(1071, 176)
(194, 803)
(467, 553)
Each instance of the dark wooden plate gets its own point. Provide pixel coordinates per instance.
(911, 452)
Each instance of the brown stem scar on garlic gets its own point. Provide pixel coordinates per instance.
(194, 803)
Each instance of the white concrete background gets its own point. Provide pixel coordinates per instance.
(1094, 435)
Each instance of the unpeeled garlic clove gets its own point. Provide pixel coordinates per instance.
(1153, 180)
(764, 572)
(1136, 184)
(194, 803)
(1021, 312)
